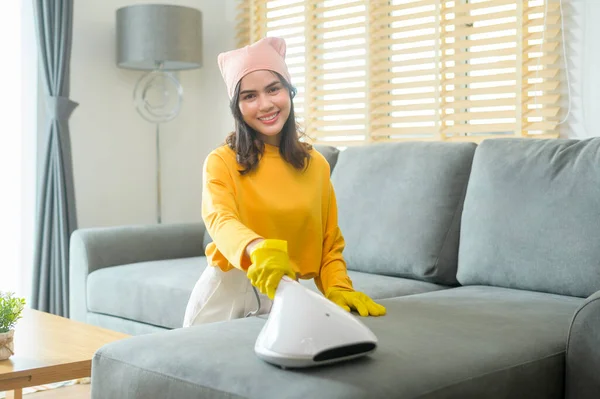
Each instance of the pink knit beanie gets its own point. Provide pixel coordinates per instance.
(267, 53)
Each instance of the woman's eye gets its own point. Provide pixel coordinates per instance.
(248, 96)
(274, 89)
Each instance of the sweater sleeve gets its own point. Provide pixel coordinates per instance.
(333, 272)
(220, 213)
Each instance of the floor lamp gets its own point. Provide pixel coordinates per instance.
(159, 39)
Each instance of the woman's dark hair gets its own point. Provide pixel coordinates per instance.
(249, 148)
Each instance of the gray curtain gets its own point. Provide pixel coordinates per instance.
(56, 217)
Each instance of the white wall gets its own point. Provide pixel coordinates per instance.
(114, 148)
(582, 31)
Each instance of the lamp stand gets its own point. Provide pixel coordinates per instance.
(158, 182)
(158, 96)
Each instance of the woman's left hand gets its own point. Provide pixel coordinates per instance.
(354, 300)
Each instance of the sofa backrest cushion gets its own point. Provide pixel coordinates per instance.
(331, 155)
(399, 207)
(531, 218)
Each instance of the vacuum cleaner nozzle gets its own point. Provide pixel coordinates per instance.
(305, 329)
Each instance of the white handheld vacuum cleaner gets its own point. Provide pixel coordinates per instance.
(305, 329)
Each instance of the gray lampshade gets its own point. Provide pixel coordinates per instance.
(151, 34)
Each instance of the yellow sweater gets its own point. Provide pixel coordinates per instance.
(274, 201)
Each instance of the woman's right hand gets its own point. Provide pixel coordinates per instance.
(270, 262)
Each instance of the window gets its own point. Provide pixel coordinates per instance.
(392, 70)
(18, 161)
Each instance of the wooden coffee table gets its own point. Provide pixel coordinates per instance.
(50, 348)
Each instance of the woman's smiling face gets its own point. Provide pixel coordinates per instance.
(265, 104)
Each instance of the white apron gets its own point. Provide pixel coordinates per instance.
(221, 296)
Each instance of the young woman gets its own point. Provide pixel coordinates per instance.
(267, 200)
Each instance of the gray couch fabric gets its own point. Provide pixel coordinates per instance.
(528, 255)
(468, 342)
(532, 215)
(583, 362)
(139, 291)
(121, 324)
(378, 286)
(97, 248)
(400, 205)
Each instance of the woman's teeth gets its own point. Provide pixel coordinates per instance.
(269, 118)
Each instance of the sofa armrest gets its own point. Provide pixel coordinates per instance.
(583, 351)
(96, 248)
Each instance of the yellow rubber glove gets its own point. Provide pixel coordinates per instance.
(270, 262)
(355, 300)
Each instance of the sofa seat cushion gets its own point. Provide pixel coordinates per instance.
(126, 326)
(378, 286)
(154, 292)
(463, 342)
(157, 292)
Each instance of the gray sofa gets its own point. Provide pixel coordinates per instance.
(487, 258)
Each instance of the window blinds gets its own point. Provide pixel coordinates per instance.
(390, 70)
